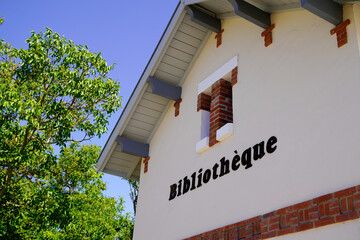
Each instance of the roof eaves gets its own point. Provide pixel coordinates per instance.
(140, 87)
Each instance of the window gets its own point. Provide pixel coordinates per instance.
(215, 105)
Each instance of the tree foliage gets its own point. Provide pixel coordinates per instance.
(66, 204)
(49, 91)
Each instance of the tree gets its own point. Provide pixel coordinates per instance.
(67, 203)
(134, 191)
(48, 92)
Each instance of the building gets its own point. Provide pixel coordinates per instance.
(245, 124)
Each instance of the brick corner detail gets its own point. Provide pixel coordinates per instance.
(267, 34)
(341, 33)
(177, 107)
(218, 38)
(146, 162)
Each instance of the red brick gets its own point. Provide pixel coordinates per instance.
(264, 226)
(257, 237)
(228, 227)
(208, 237)
(303, 216)
(221, 107)
(268, 30)
(234, 73)
(177, 107)
(270, 214)
(233, 234)
(293, 220)
(357, 205)
(286, 231)
(321, 210)
(242, 232)
(274, 220)
(253, 220)
(290, 219)
(324, 221)
(218, 38)
(343, 205)
(341, 31)
(356, 197)
(203, 102)
(305, 226)
(345, 192)
(350, 204)
(284, 210)
(240, 224)
(332, 208)
(219, 236)
(302, 205)
(249, 230)
(340, 26)
(274, 226)
(257, 228)
(347, 216)
(323, 198)
(346, 204)
(342, 43)
(313, 213)
(268, 235)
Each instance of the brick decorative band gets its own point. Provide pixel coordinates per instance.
(328, 209)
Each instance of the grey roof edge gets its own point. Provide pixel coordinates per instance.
(140, 86)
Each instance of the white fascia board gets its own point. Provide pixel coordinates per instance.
(140, 87)
(219, 73)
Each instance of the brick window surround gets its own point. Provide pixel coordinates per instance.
(332, 208)
(219, 104)
(215, 104)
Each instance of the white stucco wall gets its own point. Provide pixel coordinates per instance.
(301, 89)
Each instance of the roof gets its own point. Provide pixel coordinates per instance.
(170, 64)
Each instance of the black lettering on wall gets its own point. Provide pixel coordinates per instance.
(199, 178)
(179, 188)
(186, 184)
(215, 167)
(246, 158)
(270, 148)
(259, 151)
(193, 180)
(224, 167)
(172, 191)
(207, 176)
(235, 162)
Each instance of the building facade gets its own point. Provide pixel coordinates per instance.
(244, 124)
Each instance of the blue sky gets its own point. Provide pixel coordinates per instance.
(126, 32)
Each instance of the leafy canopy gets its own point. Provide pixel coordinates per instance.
(49, 91)
(66, 204)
